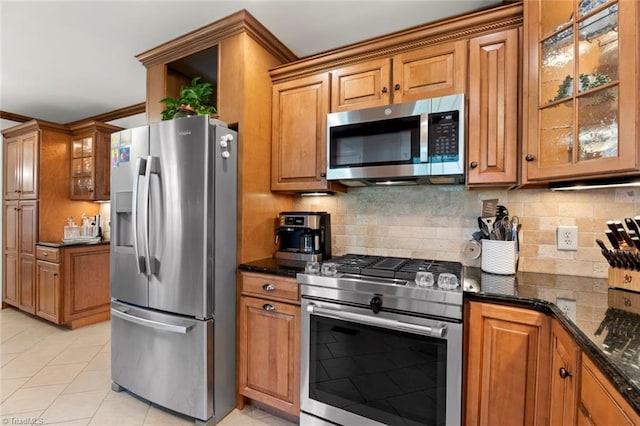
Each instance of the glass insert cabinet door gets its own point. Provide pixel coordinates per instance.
(581, 75)
(82, 168)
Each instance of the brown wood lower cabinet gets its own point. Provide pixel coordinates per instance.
(565, 358)
(72, 284)
(524, 368)
(507, 365)
(269, 341)
(600, 403)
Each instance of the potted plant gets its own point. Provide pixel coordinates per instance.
(191, 100)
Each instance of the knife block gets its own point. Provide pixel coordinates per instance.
(624, 278)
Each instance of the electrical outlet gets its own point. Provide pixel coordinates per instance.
(567, 238)
(567, 306)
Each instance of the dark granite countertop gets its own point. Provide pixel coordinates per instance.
(60, 244)
(606, 326)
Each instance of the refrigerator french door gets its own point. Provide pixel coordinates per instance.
(173, 262)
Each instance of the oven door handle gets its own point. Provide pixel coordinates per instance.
(379, 322)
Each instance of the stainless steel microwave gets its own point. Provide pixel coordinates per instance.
(408, 143)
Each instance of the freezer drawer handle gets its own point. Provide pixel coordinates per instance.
(150, 323)
(440, 332)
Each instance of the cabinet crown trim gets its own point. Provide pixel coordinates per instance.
(211, 34)
(450, 29)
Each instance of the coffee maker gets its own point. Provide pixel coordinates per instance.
(303, 236)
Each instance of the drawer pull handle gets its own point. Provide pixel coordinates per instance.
(45, 254)
(268, 287)
(564, 373)
(268, 307)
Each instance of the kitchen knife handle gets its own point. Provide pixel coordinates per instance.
(631, 224)
(613, 227)
(625, 237)
(612, 239)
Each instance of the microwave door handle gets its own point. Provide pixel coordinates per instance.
(379, 322)
(140, 168)
(424, 138)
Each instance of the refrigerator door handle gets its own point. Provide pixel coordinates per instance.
(140, 170)
(151, 323)
(145, 219)
(153, 167)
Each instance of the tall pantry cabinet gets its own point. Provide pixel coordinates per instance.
(35, 203)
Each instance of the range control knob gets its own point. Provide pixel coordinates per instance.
(376, 304)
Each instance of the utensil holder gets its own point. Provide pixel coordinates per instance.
(499, 257)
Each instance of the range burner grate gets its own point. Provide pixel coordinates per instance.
(393, 267)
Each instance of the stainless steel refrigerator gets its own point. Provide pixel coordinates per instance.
(173, 263)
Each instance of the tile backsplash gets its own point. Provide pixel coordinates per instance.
(436, 221)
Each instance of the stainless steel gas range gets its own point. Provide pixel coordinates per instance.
(381, 342)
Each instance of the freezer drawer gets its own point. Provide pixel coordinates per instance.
(163, 358)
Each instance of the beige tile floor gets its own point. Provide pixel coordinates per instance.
(52, 375)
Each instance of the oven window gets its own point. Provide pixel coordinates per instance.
(388, 376)
(387, 142)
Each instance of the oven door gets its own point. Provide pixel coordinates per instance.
(361, 368)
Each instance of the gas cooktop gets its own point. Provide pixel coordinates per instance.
(403, 284)
(394, 267)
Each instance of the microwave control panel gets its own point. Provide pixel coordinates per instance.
(444, 133)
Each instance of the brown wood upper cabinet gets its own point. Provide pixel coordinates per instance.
(299, 122)
(432, 71)
(493, 108)
(21, 171)
(582, 94)
(91, 160)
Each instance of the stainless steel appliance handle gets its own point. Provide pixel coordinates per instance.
(145, 218)
(140, 167)
(379, 322)
(152, 168)
(150, 323)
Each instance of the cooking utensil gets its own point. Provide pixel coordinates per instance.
(515, 229)
(502, 230)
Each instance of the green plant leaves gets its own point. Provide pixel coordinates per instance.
(196, 95)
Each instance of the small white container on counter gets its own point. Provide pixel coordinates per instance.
(499, 257)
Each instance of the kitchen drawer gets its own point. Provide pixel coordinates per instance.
(49, 254)
(270, 286)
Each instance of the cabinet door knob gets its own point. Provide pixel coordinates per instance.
(396, 87)
(268, 307)
(323, 174)
(564, 373)
(268, 287)
(529, 157)
(473, 164)
(384, 90)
